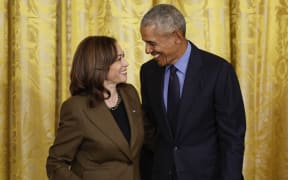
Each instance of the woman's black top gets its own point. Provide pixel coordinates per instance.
(121, 118)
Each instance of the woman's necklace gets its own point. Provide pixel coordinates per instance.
(117, 103)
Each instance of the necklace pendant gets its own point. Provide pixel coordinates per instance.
(117, 103)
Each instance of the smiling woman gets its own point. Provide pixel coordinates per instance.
(98, 124)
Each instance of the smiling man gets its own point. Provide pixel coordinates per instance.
(195, 118)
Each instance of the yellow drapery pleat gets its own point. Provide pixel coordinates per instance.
(38, 39)
(4, 110)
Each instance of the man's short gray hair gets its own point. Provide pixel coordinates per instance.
(166, 18)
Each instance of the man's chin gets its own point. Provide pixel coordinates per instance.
(161, 62)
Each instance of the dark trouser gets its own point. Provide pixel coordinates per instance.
(174, 174)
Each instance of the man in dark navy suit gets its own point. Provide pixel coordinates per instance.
(204, 139)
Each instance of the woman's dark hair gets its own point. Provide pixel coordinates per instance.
(90, 66)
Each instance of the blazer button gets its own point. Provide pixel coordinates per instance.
(175, 148)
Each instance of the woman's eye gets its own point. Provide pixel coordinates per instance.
(120, 56)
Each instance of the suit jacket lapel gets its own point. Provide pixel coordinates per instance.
(157, 86)
(104, 120)
(192, 85)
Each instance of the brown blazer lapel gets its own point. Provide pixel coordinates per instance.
(104, 120)
(134, 118)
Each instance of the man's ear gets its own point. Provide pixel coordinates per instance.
(179, 36)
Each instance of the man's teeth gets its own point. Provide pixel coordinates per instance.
(156, 55)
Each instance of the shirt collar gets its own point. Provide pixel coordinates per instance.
(182, 62)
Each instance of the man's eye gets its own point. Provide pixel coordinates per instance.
(152, 43)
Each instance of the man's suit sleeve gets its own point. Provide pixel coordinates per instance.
(231, 125)
(146, 158)
(149, 123)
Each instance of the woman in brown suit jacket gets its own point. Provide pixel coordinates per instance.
(100, 132)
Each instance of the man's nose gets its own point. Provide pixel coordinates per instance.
(148, 48)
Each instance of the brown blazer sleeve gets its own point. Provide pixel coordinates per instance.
(67, 140)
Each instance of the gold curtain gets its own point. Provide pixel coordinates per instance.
(38, 39)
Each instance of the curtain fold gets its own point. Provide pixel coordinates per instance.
(4, 103)
(259, 54)
(38, 40)
(32, 87)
